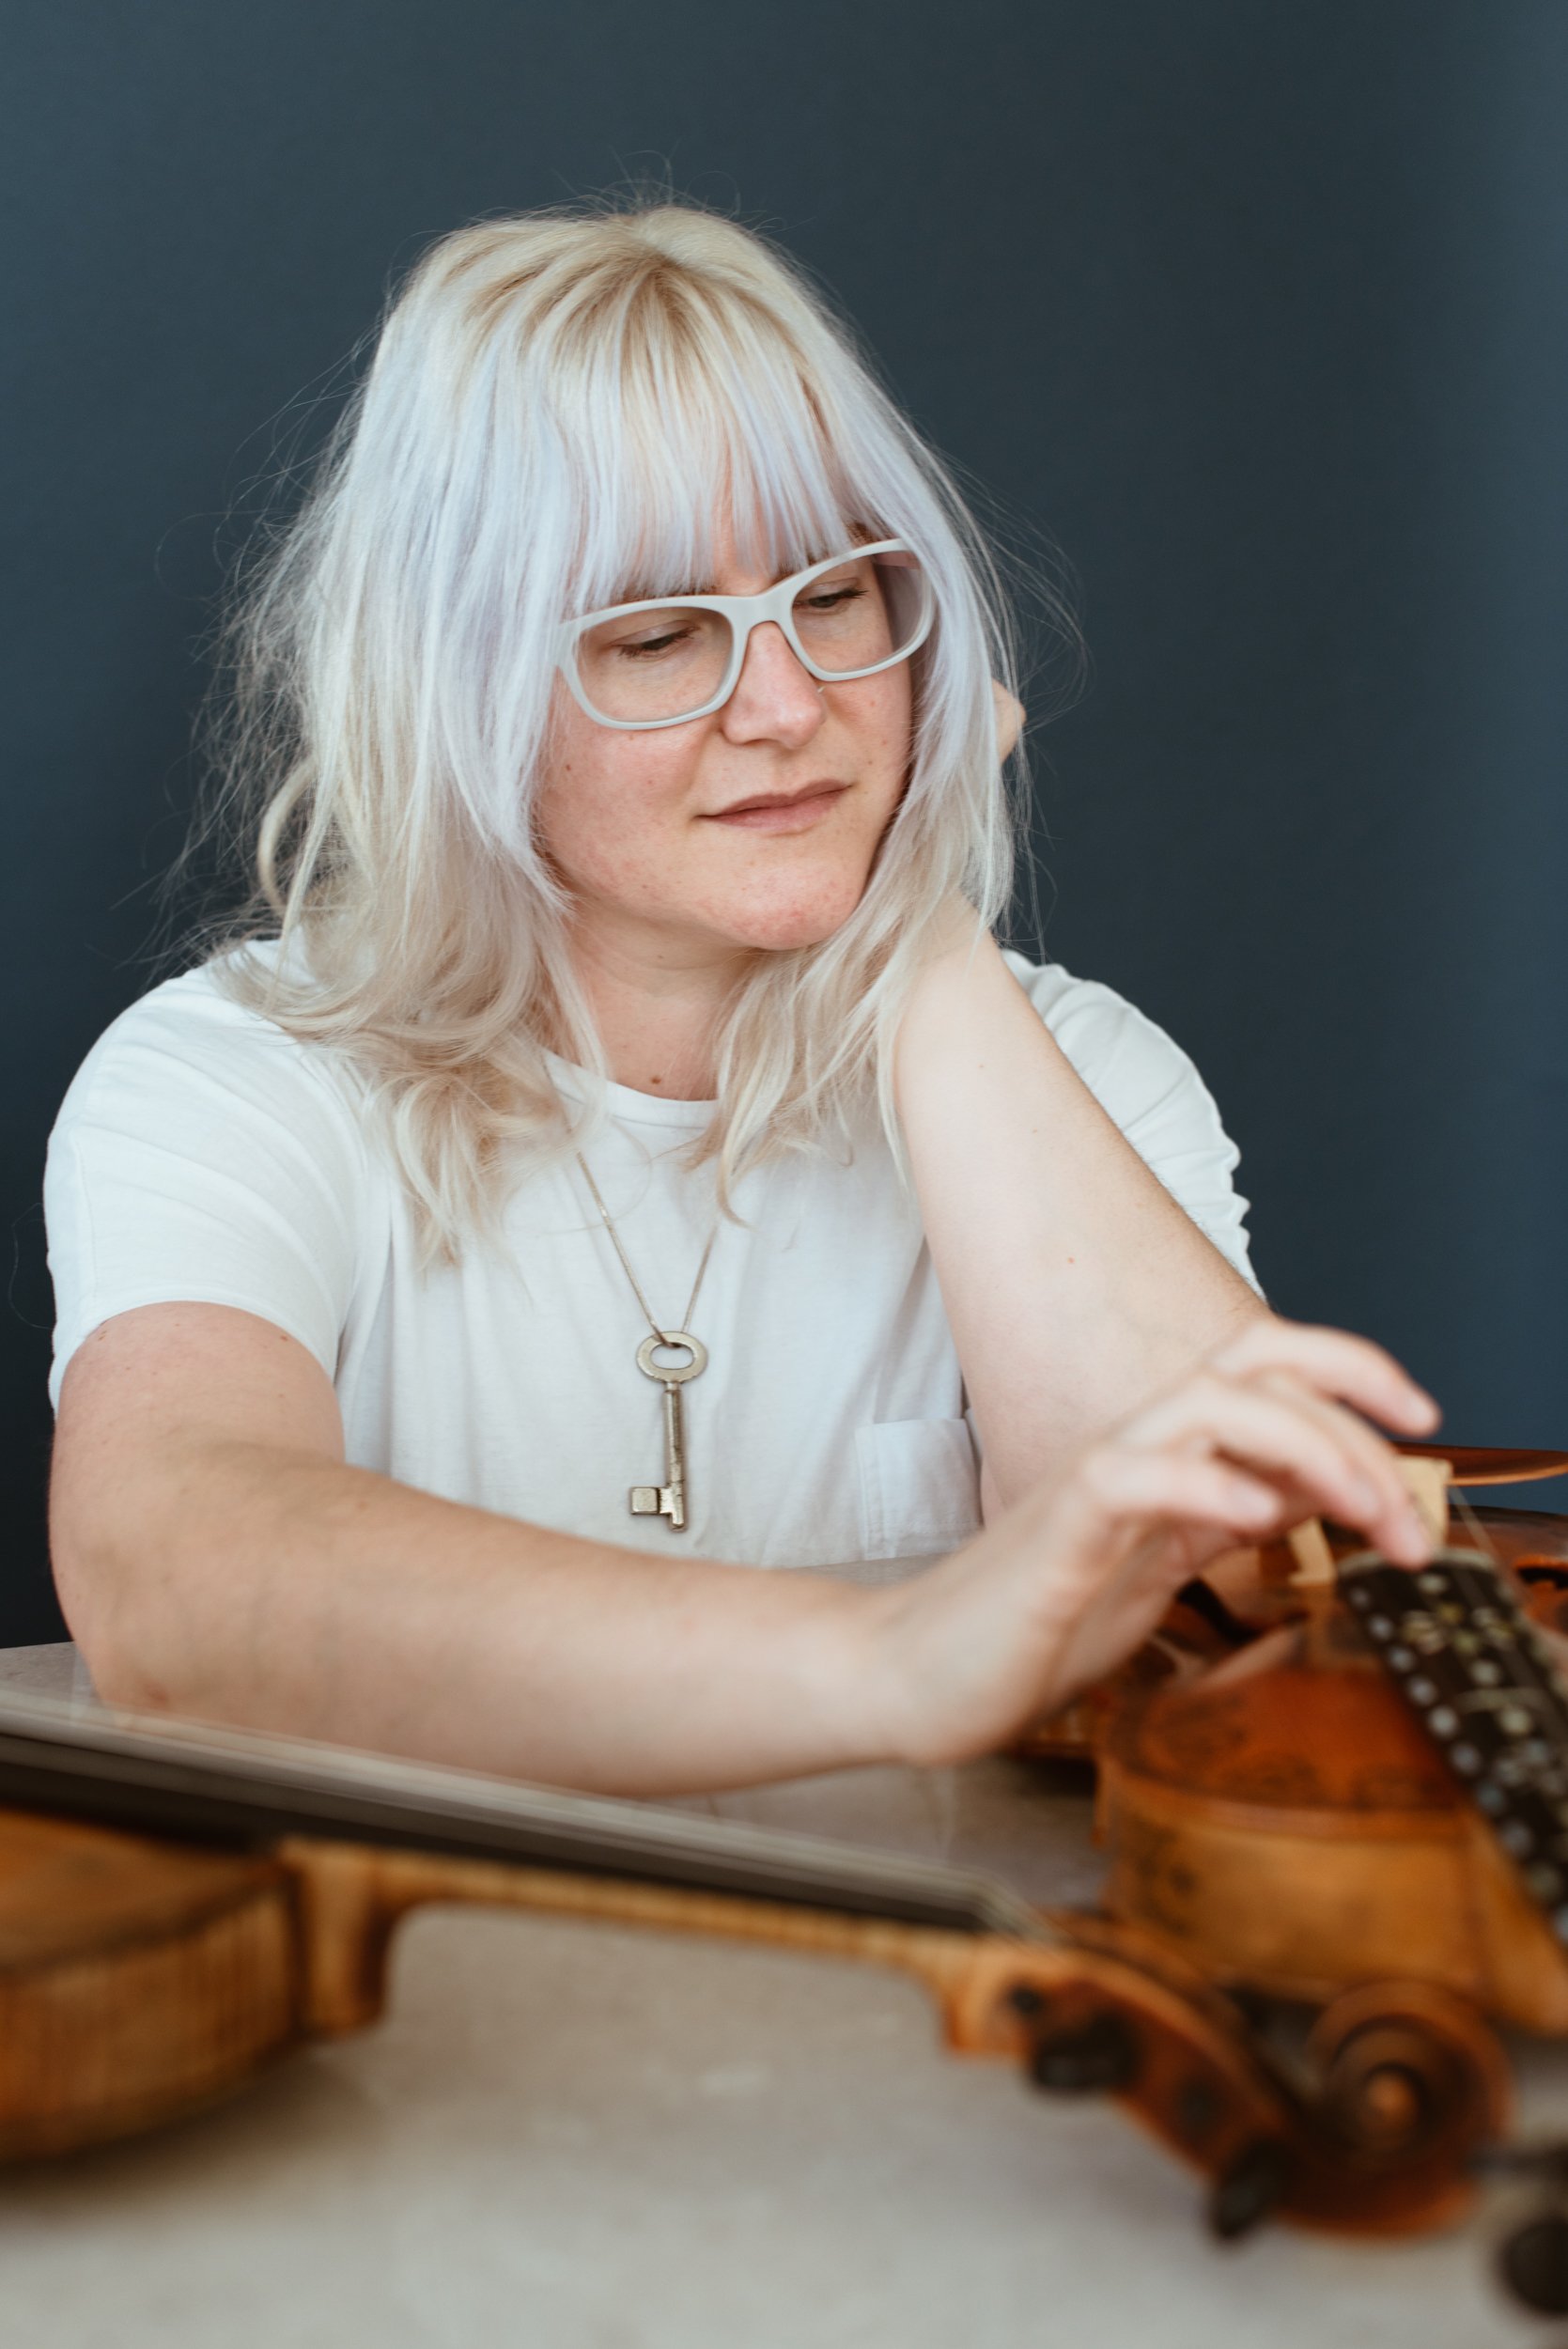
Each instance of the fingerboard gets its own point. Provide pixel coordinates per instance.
(245, 1788)
(1479, 1677)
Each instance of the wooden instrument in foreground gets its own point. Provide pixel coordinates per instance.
(1284, 1811)
(1325, 1778)
(1289, 1806)
(177, 1909)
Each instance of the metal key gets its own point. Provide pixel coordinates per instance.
(669, 1499)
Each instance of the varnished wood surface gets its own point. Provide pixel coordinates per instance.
(96, 2038)
(573, 2135)
(1473, 1467)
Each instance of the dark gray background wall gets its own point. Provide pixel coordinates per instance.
(1259, 311)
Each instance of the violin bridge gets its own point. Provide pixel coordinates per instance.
(1314, 1560)
(1426, 1481)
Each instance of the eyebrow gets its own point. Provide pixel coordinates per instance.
(673, 594)
(708, 587)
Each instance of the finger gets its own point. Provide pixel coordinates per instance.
(1336, 1363)
(1131, 1527)
(1120, 1489)
(1402, 1531)
(1325, 1458)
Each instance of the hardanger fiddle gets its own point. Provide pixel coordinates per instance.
(1292, 1820)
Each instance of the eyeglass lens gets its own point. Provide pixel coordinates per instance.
(668, 661)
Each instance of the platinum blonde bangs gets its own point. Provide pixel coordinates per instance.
(561, 412)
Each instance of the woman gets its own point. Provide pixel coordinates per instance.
(631, 836)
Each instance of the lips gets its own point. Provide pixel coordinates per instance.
(771, 802)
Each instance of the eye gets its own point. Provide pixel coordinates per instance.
(830, 598)
(662, 640)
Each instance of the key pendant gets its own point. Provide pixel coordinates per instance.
(669, 1499)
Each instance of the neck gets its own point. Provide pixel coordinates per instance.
(657, 997)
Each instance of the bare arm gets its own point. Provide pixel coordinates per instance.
(217, 1556)
(1075, 1286)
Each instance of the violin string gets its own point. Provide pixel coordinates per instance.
(1473, 1526)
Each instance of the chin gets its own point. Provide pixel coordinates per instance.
(789, 924)
(784, 939)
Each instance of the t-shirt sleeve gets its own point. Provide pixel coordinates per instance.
(1151, 1088)
(203, 1155)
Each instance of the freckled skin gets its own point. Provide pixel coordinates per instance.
(625, 818)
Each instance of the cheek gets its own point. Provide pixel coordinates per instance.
(603, 804)
(888, 725)
(887, 737)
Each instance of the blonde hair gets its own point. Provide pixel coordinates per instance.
(551, 402)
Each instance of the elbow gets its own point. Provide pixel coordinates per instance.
(100, 1595)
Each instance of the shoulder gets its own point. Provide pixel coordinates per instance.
(193, 1105)
(204, 1154)
(1144, 1079)
(191, 1049)
(1126, 1059)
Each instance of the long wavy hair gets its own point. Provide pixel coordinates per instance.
(552, 402)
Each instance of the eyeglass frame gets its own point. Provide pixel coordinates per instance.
(744, 614)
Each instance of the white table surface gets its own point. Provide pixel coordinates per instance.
(605, 2139)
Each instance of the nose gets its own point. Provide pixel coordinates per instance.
(775, 699)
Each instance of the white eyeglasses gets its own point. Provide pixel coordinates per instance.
(660, 662)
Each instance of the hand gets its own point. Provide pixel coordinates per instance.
(1053, 1596)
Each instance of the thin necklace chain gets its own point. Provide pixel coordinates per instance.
(626, 1265)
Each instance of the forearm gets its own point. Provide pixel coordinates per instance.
(280, 1590)
(251, 1577)
(1074, 1283)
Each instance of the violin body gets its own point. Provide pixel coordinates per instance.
(1285, 1826)
(140, 1979)
(1275, 1815)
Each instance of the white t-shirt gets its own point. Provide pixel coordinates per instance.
(203, 1154)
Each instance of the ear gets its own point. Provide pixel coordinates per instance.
(1010, 718)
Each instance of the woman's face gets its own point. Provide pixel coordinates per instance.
(753, 827)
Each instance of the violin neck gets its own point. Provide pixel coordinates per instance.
(247, 1790)
(353, 1896)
